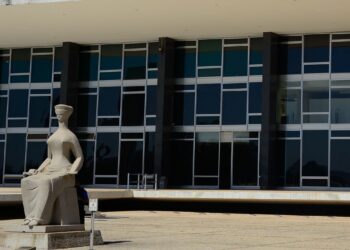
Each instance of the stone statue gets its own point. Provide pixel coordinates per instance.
(43, 188)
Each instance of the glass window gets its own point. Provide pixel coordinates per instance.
(289, 160)
(20, 61)
(111, 57)
(153, 55)
(36, 154)
(18, 103)
(2, 147)
(256, 51)
(4, 69)
(149, 153)
(207, 153)
(315, 96)
(340, 103)
(109, 101)
(340, 57)
(55, 99)
(340, 158)
(290, 59)
(316, 48)
(255, 97)
(151, 100)
(181, 163)
(185, 62)
(290, 106)
(209, 52)
(41, 68)
(86, 110)
(235, 61)
(234, 109)
(86, 173)
(133, 109)
(3, 111)
(135, 65)
(183, 109)
(58, 59)
(39, 111)
(315, 153)
(88, 65)
(130, 159)
(208, 99)
(107, 153)
(15, 152)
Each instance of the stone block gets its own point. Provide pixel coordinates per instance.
(45, 228)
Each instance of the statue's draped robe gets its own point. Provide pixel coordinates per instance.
(40, 191)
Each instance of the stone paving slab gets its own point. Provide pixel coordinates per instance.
(189, 230)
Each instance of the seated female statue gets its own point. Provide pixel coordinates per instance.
(41, 187)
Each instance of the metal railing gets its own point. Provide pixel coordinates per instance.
(142, 180)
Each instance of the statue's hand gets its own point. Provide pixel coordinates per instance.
(72, 172)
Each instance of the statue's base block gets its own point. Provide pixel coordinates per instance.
(47, 240)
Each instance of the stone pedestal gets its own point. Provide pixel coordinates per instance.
(48, 237)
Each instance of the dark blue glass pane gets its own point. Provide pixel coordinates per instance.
(2, 147)
(289, 159)
(19, 79)
(130, 159)
(234, 109)
(152, 74)
(3, 111)
(234, 86)
(290, 59)
(253, 71)
(208, 99)
(209, 52)
(86, 110)
(151, 100)
(340, 57)
(41, 68)
(109, 101)
(36, 154)
(88, 64)
(340, 158)
(40, 91)
(316, 96)
(107, 153)
(290, 106)
(111, 57)
(20, 61)
(315, 153)
(316, 69)
(18, 103)
(58, 59)
(341, 133)
(316, 48)
(55, 99)
(150, 121)
(135, 65)
(86, 173)
(255, 119)
(133, 110)
(185, 63)
(17, 123)
(4, 69)
(181, 167)
(235, 61)
(184, 87)
(153, 55)
(149, 153)
(208, 120)
(15, 152)
(39, 111)
(183, 108)
(256, 51)
(54, 123)
(206, 153)
(110, 76)
(340, 104)
(255, 97)
(209, 72)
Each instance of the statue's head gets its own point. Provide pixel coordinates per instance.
(63, 112)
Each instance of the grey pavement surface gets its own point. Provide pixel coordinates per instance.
(189, 230)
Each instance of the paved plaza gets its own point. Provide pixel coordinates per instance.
(189, 230)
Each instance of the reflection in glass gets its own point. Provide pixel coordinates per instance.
(183, 108)
(36, 154)
(39, 111)
(340, 168)
(86, 110)
(315, 153)
(109, 101)
(107, 153)
(133, 109)
(15, 152)
(208, 99)
(185, 62)
(18, 103)
(88, 66)
(234, 109)
(149, 152)
(340, 57)
(209, 52)
(235, 61)
(86, 173)
(111, 57)
(207, 153)
(130, 159)
(4, 69)
(315, 96)
(20, 61)
(2, 148)
(316, 48)
(289, 161)
(134, 65)
(290, 106)
(255, 97)
(290, 59)
(41, 68)
(181, 163)
(3, 111)
(340, 103)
